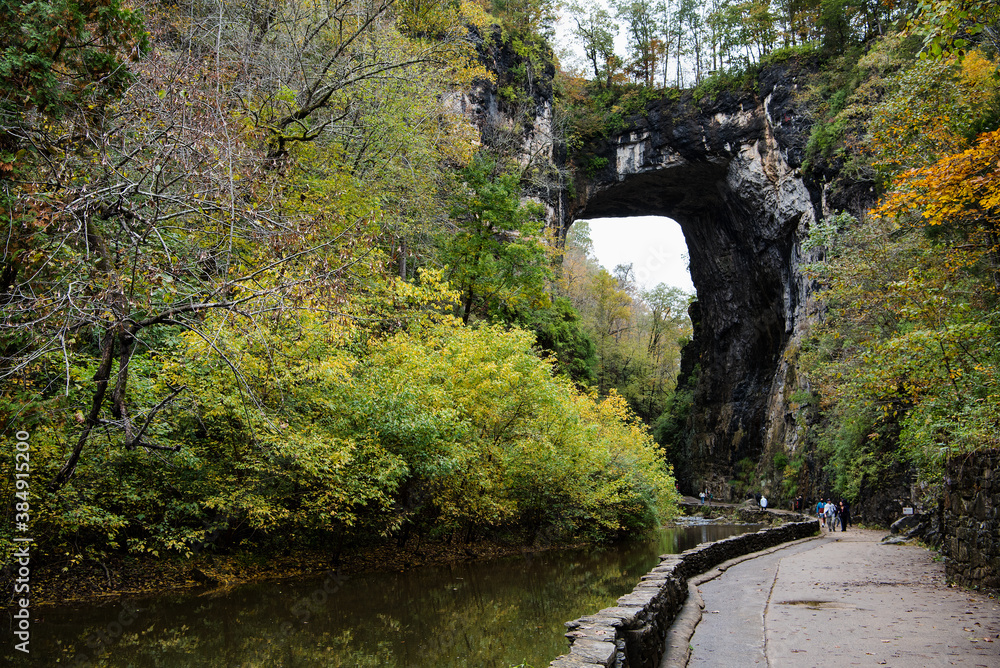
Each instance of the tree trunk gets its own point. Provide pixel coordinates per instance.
(467, 307)
(126, 344)
(402, 259)
(101, 377)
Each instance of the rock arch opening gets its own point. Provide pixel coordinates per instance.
(743, 210)
(653, 245)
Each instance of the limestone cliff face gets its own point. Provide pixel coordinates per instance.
(729, 172)
(514, 116)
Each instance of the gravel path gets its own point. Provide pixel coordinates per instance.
(839, 600)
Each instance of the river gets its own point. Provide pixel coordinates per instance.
(486, 614)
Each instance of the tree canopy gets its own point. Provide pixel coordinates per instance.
(263, 279)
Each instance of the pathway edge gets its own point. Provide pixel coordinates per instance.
(678, 640)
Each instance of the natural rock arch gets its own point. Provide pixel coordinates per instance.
(728, 173)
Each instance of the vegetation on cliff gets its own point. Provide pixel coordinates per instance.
(906, 361)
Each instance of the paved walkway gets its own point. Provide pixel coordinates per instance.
(843, 599)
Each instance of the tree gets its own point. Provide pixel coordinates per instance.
(686, 20)
(526, 17)
(200, 317)
(668, 314)
(717, 31)
(789, 11)
(596, 31)
(908, 359)
(139, 217)
(642, 31)
(960, 191)
(637, 334)
(834, 24)
(64, 53)
(725, 24)
(667, 29)
(690, 35)
(559, 331)
(309, 66)
(496, 255)
(949, 26)
(521, 445)
(932, 108)
(758, 27)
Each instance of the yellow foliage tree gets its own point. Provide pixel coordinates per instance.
(960, 191)
(936, 108)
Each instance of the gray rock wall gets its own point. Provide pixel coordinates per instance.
(972, 520)
(632, 634)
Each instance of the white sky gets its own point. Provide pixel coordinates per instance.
(654, 245)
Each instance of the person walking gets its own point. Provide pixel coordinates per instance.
(702, 496)
(830, 511)
(763, 502)
(845, 514)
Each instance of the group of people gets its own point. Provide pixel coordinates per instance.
(830, 514)
(833, 514)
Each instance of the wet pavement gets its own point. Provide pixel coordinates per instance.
(842, 599)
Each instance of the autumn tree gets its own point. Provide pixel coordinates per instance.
(137, 218)
(225, 298)
(496, 255)
(961, 192)
(596, 31)
(907, 361)
(933, 108)
(644, 44)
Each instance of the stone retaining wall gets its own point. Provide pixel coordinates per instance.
(972, 520)
(633, 633)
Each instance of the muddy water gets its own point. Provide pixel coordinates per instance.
(491, 614)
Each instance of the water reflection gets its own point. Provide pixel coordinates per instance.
(487, 614)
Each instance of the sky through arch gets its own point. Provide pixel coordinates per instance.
(653, 244)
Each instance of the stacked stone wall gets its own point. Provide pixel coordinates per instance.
(633, 633)
(972, 521)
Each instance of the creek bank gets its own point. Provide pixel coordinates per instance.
(632, 634)
(132, 576)
(746, 513)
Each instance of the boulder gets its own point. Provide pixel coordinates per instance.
(907, 522)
